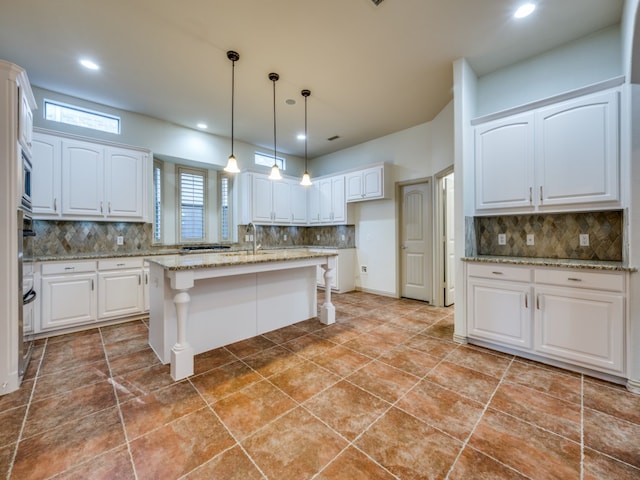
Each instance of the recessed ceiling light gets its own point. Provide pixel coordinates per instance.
(290, 101)
(525, 10)
(202, 126)
(300, 136)
(91, 65)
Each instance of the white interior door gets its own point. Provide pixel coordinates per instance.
(449, 241)
(416, 245)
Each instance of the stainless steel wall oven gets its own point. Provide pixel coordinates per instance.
(26, 289)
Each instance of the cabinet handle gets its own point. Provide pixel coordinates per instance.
(109, 207)
(119, 264)
(101, 209)
(538, 302)
(530, 195)
(540, 193)
(55, 204)
(92, 284)
(139, 279)
(526, 300)
(146, 279)
(498, 273)
(574, 279)
(69, 268)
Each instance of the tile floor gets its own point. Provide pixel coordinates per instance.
(382, 394)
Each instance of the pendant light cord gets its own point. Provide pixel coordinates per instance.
(233, 83)
(274, 120)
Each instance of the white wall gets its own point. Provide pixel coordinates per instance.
(583, 62)
(415, 153)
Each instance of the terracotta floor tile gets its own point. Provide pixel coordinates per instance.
(354, 465)
(529, 450)
(470, 383)
(371, 344)
(206, 361)
(128, 345)
(225, 380)
(71, 443)
(6, 455)
(230, 465)
(123, 331)
(143, 414)
(428, 316)
(115, 464)
(180, 447)
(304, 380)
(65, 380)
(347, 409)
(442, 408)
(273, 360)
(140, 382)
(309, 345)
(611, 435)
(435, 347)
(76, 338)
(392, 333)
(294, 447)
(602, 467)
(133, 361)
(285, 334)
(341, 360)
(50, 412)
(440, 330)
(72, 352)
(475, 359)
(311, 325)
(11, 422)
(338, 333)
(474, 465)
(560, 385)
(250, 346)
(545, 411)
(252, 408)
(410, 360)
(364, 323)
(18, 398)
(34, 363)
(354, 310)
(413, 325)
(613, 400)
(383, 380)
(408, 447)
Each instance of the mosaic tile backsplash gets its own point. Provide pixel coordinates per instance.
(556, 235)
(339, 236)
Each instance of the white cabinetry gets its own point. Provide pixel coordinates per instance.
(280, 202)
(120, 287)
(367, 184)
(25, 114)
(344, 274)
(498, 299)
(327, 204)
(82, 180)
(146, 290)
(556, 158)
(69, 295)
(572, 316)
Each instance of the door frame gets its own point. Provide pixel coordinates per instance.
(398, 192)
(438, 233)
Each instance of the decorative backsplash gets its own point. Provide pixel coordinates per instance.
(339, 236)
(555, 235)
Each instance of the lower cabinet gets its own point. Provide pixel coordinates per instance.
(344, 276)
(120, 287)
(68, 295)
(572, 316)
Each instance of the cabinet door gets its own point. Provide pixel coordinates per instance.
(25, 117)
(46, 176)
(326, 201)
(372, 183)
(262, 199)
(298, 203)
(82, 179)
(338, 201)
(585, 327)
(124, 183)
(504, 172)
(281, 201)
(500, 312)
(120, 293)
(353, 183)
(314, 203)
(577, 151)
(68, 300)
(146, 289)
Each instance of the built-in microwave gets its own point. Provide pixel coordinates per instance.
(26, 181)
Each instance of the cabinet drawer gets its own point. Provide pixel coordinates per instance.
(119, 263)
(501, 272)
(613, 282)
(68, 267)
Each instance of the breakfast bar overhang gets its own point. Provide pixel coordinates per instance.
(205, 301)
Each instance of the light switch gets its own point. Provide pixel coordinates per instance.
(502, 239)
(530, 239)
(584, 239)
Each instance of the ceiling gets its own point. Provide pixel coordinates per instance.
(372, 70)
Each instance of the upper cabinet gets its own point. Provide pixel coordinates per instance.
(561, 157)
(279, 202)
(25, 113)
(327, 205)
(367, 184)
(75, 179)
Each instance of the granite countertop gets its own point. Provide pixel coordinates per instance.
(553, 262)
(225, 259)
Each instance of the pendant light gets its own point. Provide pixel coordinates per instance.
(275, 171)
(232, 164)
(306, 179)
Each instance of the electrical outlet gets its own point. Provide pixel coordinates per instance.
(502, 239)
(584, 239)
(251, 238)
(284, 237)
(363, 268)
(530, 239)
(120, 240)
(342, 237)
(246, 238)
(318, 237)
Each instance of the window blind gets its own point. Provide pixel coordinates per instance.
(191, 204)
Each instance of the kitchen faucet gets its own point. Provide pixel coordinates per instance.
(255, 237)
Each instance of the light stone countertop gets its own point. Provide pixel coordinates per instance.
(553, 262)
(224, 259)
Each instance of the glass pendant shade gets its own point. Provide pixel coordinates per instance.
(232, 165)
(306, 179)
(275, 173)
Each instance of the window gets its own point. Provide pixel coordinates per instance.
(191, 195)
(157, 201)
(81, 117)
(267, 161)
(225, 203)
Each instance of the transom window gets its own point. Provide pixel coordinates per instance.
(81, 117)
(267, 161)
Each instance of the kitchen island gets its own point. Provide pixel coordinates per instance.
(204, 301)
